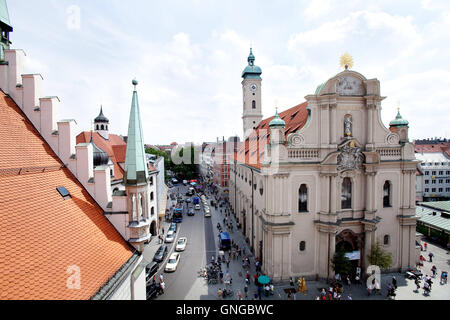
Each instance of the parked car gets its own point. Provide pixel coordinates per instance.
(191, 211)
(152, 291)
(197, 207)
(188, 200)
(170, 237)
(161, 253)
(173, 227)
(181, 244)
(173, 262)
(150, 270)
(185, 182)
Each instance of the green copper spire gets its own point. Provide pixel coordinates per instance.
(399, 121)
(136, 170)
(277, 121)
(5, 28)
(251, 71)
(4, 14)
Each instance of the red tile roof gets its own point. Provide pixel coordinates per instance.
(432, 147)
(251, 151)
(42, 234)
(115, 147)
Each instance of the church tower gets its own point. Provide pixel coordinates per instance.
(101, 125)
(251, 86)
(136, 179)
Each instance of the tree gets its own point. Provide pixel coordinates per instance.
(380, 257)
(340, 263)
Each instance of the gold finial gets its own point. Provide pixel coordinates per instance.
(346, 61)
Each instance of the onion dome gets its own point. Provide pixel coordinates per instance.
(251, 71)
(100, 157)
(101, 117)
(277, 122)
(399, 121)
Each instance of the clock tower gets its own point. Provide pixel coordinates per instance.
(251, 86)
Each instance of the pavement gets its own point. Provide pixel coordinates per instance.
(202, 234)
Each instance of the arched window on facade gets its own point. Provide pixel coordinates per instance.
(151, 196)
(97, 127)
(387, 194)
(303, 198)
(103, 127)
(112, 173)
(152, 211)
(386, 240)
(253, 104)
(151, 181)
(346, 197)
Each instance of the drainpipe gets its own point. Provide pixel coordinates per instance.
(235, 186)
(253, 213)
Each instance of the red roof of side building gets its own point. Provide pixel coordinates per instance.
(42, 235)
(433, 147)
(251, 151)
(115, 148)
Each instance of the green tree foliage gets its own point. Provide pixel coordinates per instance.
(340, 263)
(380, 257)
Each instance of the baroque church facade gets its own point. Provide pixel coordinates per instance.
(323, 176)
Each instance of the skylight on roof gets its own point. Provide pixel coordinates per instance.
(64, 193)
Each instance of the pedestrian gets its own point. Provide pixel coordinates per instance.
(163, 286)
(349, 297)
(425, 245)
(228, 263)
(247, 275)
(243, 250)
(219, 294)
(430, 255)
(349, 281)
(161, 278)
(154, 279)
(246, 291)
(221, 277)
(433, 269)
(239, 295)
(259, 292)
(394, 282)
(255, 277)
(256, 295)
(417, 283)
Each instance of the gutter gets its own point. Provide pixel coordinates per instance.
(109, 288)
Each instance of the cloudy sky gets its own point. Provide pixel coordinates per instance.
(188, 57)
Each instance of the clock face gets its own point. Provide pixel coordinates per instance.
(253, 87)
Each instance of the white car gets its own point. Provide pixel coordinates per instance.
(197, 207)
(173, 262)
(207, 212)
(170, 237)
(181, 244)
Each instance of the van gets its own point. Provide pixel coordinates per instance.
(225, 241)
(150, 270)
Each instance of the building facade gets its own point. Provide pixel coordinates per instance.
(433, 171)
(323, 176)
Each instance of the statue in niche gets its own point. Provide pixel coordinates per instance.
(348, 126)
